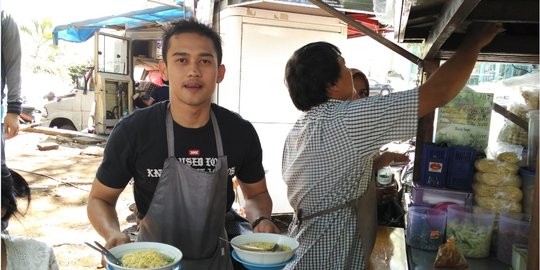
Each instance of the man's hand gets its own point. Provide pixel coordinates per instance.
(481, 34)
(386, 158)
(266, 226)
(11, 125)
(114, 240)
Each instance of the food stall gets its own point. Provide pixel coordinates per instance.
(440, 26)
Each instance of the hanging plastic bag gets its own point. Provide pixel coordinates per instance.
(448, 256)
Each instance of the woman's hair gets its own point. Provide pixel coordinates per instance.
(357, 74)
(13, 186)
(309, 73)
(191, 26)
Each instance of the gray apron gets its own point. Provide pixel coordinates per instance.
(188, 209)
(365, 208)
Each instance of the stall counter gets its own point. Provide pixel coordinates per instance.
(389, 251)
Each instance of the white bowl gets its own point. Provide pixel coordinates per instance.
(167, 250)
(264, 257)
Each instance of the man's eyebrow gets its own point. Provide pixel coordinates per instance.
(204, 54)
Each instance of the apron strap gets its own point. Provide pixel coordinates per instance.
(300, 218)
(170, 132)
(217, 134)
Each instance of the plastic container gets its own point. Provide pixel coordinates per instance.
(532, 140)
(425, 227)
(428, 196)
(513, 229)
(471, 229)
(434, 166)
(527, 187)
(461, 168)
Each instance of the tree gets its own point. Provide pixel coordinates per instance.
(41, 33)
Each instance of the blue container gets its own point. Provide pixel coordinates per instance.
(460, 168)
(434, 165)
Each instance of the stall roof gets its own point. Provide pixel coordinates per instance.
(150, 17)
(441, 24)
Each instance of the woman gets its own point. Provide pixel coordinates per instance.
(21, 252)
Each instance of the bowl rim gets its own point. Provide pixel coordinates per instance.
(293, 249)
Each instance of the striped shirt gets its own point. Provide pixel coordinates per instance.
(327, 161)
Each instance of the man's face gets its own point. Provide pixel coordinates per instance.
(192, 69)
(343, 89)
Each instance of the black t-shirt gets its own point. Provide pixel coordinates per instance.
(137, 148)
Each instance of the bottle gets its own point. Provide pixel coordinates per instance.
(384, 176)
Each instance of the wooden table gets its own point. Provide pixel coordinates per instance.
(390, 251)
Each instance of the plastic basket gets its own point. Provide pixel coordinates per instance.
(460, 168)
(434, 166)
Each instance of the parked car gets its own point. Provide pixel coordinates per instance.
(376, 88)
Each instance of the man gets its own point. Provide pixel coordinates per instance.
(182, 155)
(11, 76)
(328, 154)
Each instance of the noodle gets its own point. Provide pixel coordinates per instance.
(267, 246)
(145, 259)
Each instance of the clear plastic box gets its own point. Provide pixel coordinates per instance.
(429, 196)
(471, 229)
(425, 227)
(513, 229)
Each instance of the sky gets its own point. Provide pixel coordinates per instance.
(66, 11)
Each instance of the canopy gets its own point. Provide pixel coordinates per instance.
(84, 30)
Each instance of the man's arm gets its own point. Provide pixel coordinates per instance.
(258, 204)
(102, 214)
(11, 58)
(448, 80)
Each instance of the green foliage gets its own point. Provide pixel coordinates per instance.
(78, 69)
(392, 73)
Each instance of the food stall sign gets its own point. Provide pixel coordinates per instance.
(465, 120)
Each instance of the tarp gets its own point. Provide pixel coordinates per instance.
(84, 30)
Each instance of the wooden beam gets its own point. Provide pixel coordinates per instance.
(452, 15)
(511, 44)
(500, 11)
(364, 29)
(405, 9)
(522, 123)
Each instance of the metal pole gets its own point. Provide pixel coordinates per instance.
(387, 43)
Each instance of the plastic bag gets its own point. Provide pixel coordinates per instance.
(448, 256)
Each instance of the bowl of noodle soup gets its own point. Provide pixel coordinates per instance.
(146, 255)
(266, 240)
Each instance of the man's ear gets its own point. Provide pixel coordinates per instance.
(163, 70)
(221, 73)
(331, 91)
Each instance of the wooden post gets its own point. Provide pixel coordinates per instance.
(532, 254)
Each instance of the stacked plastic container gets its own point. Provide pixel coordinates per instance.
(471, 229)
(425, 227)
(513, 229)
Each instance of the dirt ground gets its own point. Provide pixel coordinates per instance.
(60, 180)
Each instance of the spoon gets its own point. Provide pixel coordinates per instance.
(105, 252)
(276, 247)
